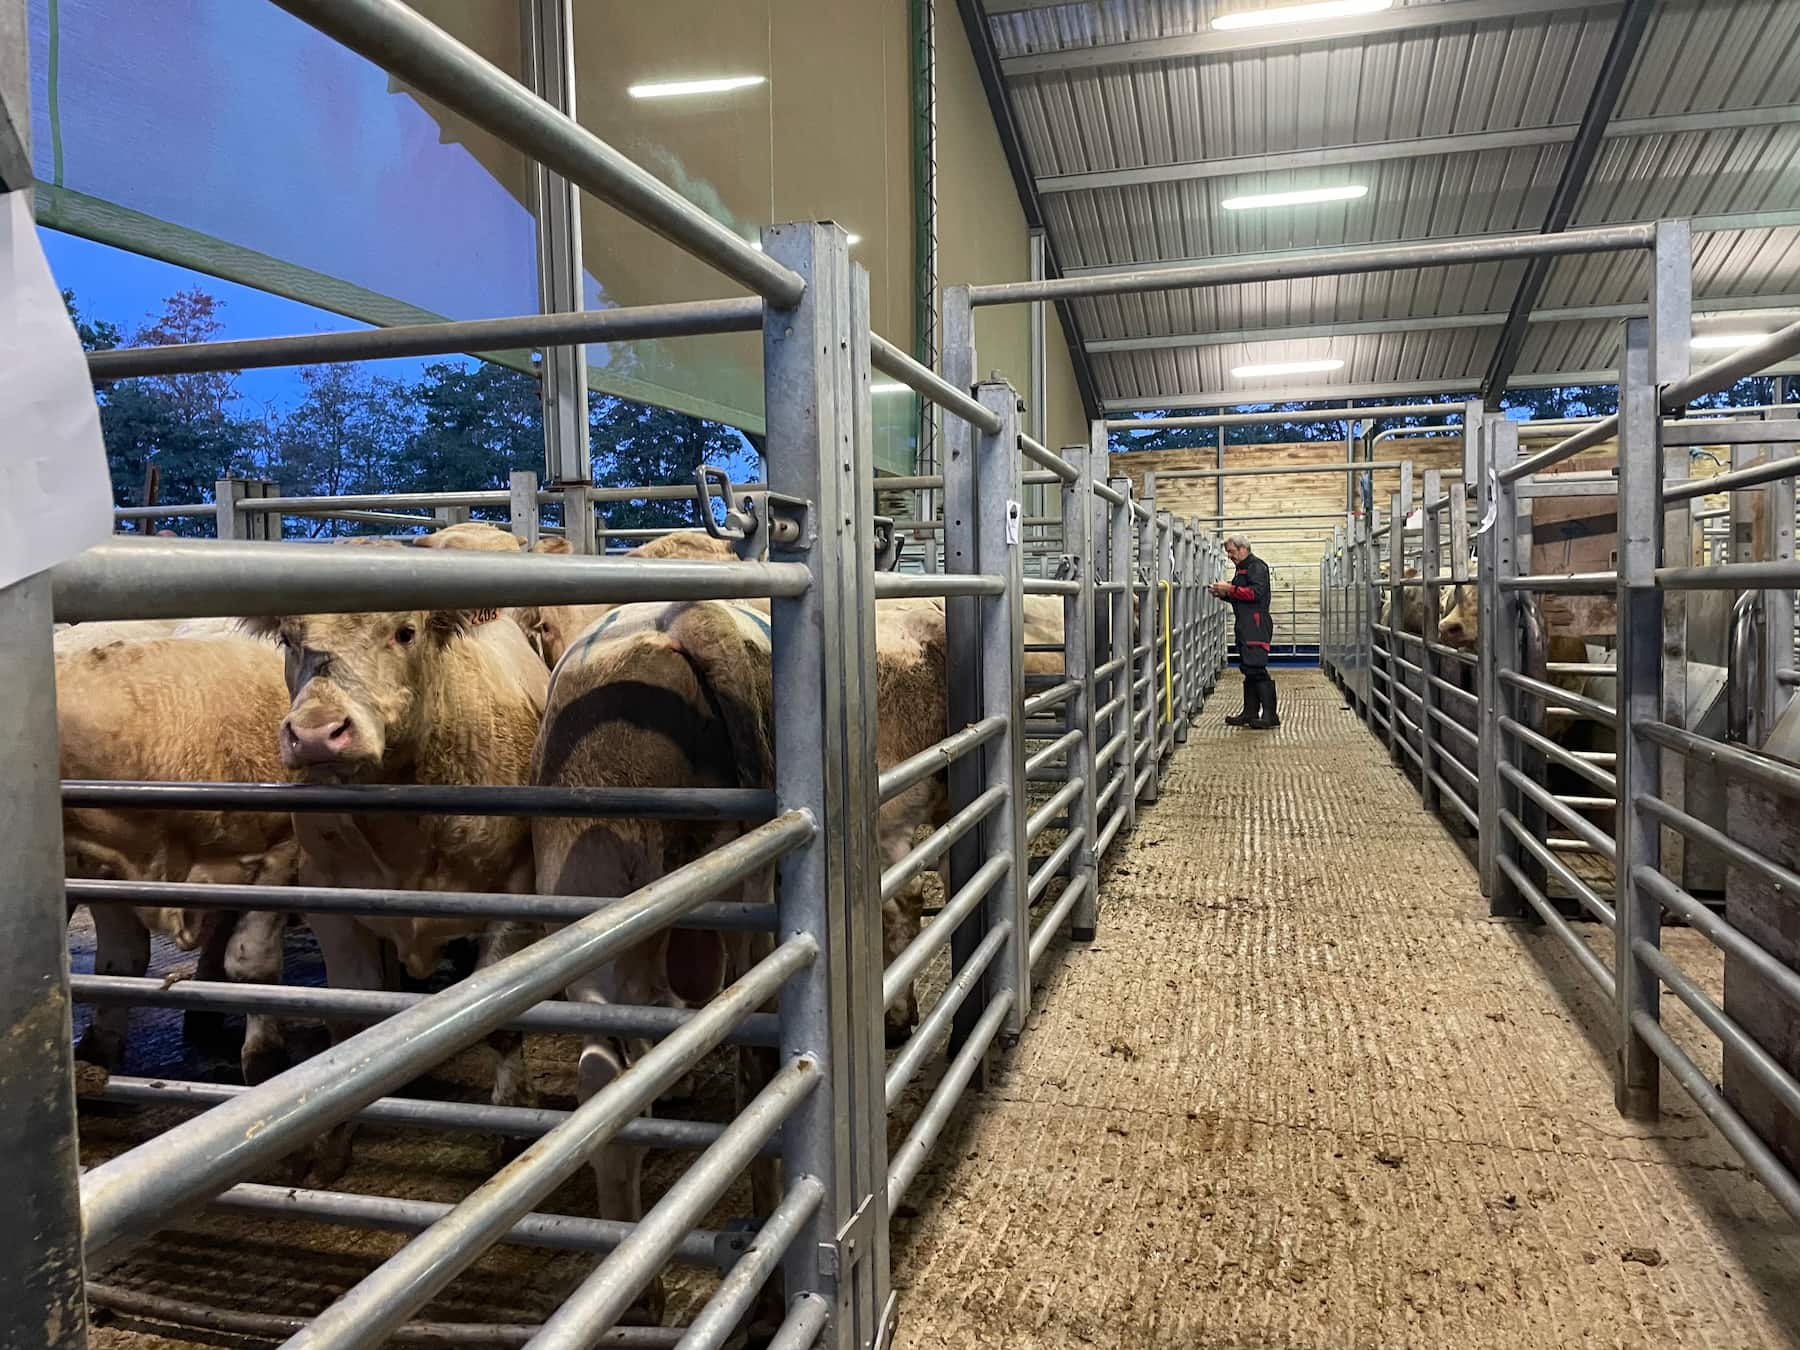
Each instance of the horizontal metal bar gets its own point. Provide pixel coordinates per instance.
(1047, 458)
(1588, 437)
(1728, 370)
(1040, 819)
(607, 1293)
(1049, 698)
(514, 1122)
(1043, 758)
(1051, 586)
(1106, 492)
(1722, 934)
(553, 1015)
(1287, 470)
(153, 1184)
(916, 859)
(1554, 921)
(732, 1301)
(1767, 1167)
(1548, 748)
(1456, 692)
(1451, 795)
(1735, 760)
(1275, 419)
(1570, 820)
(375, 501)
(1586, 894)
(208, 509)
(1585, 669)
(1110, 830)
(903, 1167)
(1562, 698)
(138, 578)
(1111, 791)
(1107, 671)
(894, 585)
(920, 1045)
(719, 915)
(434, 339)
(556, 1232)
(429, 60)
(934, 759)
(1450, 761)
(1754, 476)
(1751, 576)
(930, 939)
(1299, 264)
(1048, 870)
(1576, 583)
(921, 379)
(1052, 923)
(752, 804)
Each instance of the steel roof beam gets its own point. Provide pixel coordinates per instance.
(1621, 55)
(1214, 43)
(1238, 398)
(1464, 143)
(1739, 220)
(1728, 304)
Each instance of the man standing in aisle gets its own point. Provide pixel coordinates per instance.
(1248, 594)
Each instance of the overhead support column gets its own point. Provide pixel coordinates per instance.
(549, 56)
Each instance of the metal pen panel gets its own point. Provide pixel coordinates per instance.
(1149, 552)
(1124, 633)
(1429, 561)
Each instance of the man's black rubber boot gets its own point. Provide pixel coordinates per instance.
(1243, 719)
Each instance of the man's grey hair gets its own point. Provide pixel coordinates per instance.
(1237, 540)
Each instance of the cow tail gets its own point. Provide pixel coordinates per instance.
(733, 677)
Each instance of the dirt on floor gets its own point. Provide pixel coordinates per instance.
(1303, 1092)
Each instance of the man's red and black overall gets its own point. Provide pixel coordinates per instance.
(1255, 631)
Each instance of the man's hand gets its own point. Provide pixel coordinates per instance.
(1221, 589)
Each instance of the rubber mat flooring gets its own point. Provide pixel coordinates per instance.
(1303, 1092)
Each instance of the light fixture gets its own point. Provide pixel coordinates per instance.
(1316, 12)
(1722, 342)
(853, 239)
(683, 88)
(1302, 197)
(1287, 368)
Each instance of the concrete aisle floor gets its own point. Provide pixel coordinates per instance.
(1303, 1092)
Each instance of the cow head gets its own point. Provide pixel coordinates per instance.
(1461, 625)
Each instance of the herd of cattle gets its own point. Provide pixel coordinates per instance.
(650, 694)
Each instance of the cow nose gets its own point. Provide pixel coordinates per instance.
(317, 743)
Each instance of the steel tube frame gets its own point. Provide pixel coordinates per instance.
(917, 1146)
(406, 45)
(1222, 420)
(745, 804)
(940, 1019)
(917, 954)
(934, 759)
(732, 1301)
(1377, 258)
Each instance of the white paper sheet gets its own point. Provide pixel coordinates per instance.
(55, 492)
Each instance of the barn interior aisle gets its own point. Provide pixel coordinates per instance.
(1303, 1092)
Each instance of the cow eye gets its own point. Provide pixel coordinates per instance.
(405, 633)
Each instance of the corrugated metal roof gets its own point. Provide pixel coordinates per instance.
(1371, 108)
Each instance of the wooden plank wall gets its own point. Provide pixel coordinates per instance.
(1292, 548)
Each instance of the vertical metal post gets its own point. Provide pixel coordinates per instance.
(1219, 483)
(1365, 613)
(1078, 665)
(816, 382)
(1501, 624)
(1181, 668)
(1125, 636)
(522, 509)
(1778, 605)
(1166, 633)
(1151, 612)
(230, 523)
(41, 1296)
(1396, 600)
(1641, 698)
(999, 552)
(548, 56)
(1669, 346)
(451, 515)
(1430, 521)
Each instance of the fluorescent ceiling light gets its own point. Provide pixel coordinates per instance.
(1312, 13)
(1287, 368)
(683, 88)
(1304, 197)
(853, 239)
(1723, 342)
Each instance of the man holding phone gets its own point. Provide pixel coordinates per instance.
(1248, 595)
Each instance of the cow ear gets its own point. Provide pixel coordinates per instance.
(551, 543)
(262, 626)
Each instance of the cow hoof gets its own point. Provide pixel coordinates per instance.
(896, 1034)
(508, 1147)
(102, 1048)
(261, 1065)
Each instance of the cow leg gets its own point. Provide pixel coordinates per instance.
(203, 1026)
(352, 961)
(254, 956)
(901, 916)
(121, 947)
(512, 1079)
